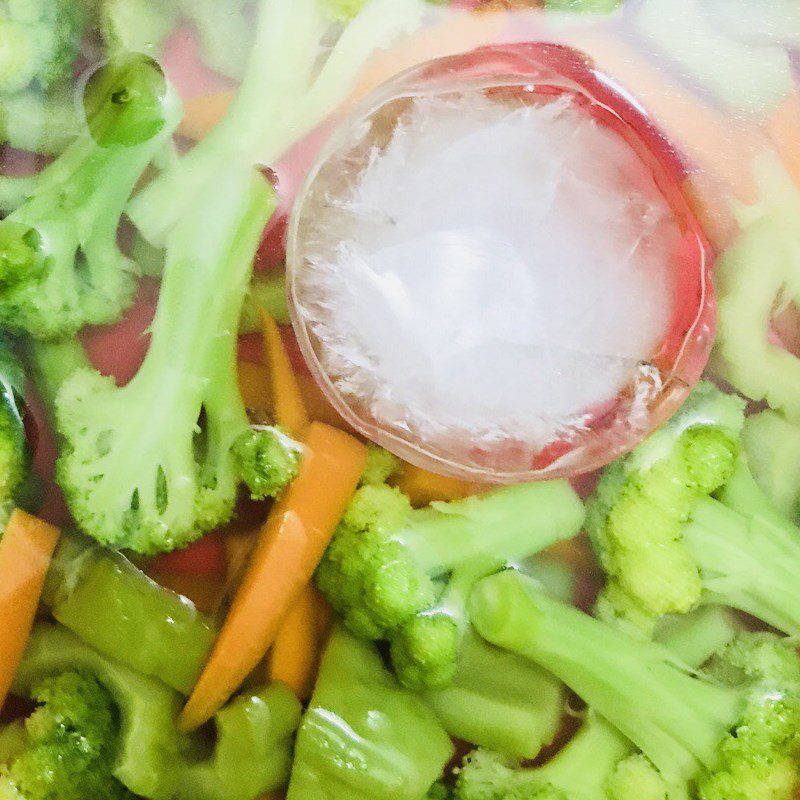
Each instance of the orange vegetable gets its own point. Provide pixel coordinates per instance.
(25, 552)
(254, 388)
(201, 114)
(290, 412)
(294, 657)
(423, 487)
(290, 546)
(319, 407)
(784, 130)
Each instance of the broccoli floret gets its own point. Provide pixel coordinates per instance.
(150, 481)
(668, 546)
(363, 736)
(60, 265)
(710, 731)
(388, 564)
(381, 465)
(439, 791)
(267, 460)
(148, 754)
(598, 763)
(636, 516)
(40, 40)
(72, 742)
(267, 115)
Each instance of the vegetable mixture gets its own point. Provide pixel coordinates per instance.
(214, 587)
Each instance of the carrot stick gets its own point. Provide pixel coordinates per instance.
(290, 546)
(423, 487)
(290, 412)
(254, 387)
(294, 657)
(25, 552)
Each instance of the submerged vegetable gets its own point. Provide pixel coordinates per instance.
(363, 736)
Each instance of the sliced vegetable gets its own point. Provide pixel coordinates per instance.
(295, 654)
(114, 607)
(25, 552)
(291, 545)
(287, 402)
(424, 487)
(363, 736)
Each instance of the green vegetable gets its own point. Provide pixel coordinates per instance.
(584, 7)
(147, 742)
(772, 446)
(39, 41)
(115, 608)
(15, 454)
(269, 114)
(151, 757)
(638, 512)
(71, 744)
(267, 292)
(499, 701)
(253, 751)
(363, 736)
(388, 565)
(755, 279)
(156, 482)
(725, 733)
(40, 123)
(381, 465)
(668, 546)
(60, 265)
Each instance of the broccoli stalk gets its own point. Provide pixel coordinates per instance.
(14, 451)
(388, 565)
(363, 736)
(284, 95)
(725, 733)
(60, 265)
(116, 609)
(667, 545)
(150, 756)
(153, 465)
(598, 763)
(38, 123)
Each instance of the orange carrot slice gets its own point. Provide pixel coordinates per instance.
(201, 114)
(423, 487)
(25, 552)
(290, 546)
(294, 657)
(290, 411)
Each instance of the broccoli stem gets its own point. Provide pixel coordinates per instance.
(39, 123)
(514, 521)
(677, 721)
(499, 701)
(752, 564)
(51, 363)
(280, 100)
(113, 606)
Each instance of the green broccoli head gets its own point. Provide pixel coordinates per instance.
(150, 466)
(486, 775)
(760, 758)
(60, 264)
(642, 502)
(14, 450)
(381, 465)
(71, 743)
(390, 570)
(40, 40)
(267, 460)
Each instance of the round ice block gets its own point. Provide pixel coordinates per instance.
(493, 269)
